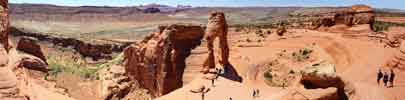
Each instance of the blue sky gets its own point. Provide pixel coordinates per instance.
(397, 4)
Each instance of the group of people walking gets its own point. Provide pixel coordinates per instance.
(386, 78)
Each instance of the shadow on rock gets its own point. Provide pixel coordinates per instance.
(231, 73)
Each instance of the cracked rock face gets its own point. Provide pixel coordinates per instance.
(158, 62)
(320, 82)
(216, 28)
(354, 15)
(30, 45)
(4, 24)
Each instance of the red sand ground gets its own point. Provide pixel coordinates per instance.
(356, 59)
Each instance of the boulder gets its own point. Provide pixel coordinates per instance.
(95, 51)
(33, 63)
(320, 76)
(115, 84)
(323, 76)
(280, 31)
(30, 45)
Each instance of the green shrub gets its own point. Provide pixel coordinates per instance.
(291, 72)
(88, 71)
(302, 54)
(379, 26)
(268, 76)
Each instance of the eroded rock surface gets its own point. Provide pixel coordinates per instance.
(216, 28)
(8, 81)
(158, 62)
(398, 61)
(33, 63)
(94, 49)
(4, 24)
(30, 45)
(357, 18)
(16, 82)
(320, 82)
(117, 86)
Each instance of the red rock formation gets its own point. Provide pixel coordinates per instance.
(320, 82)
(117, 86)
(97, 51)
(158, 62)
(355, 15)
(33, 63)
(9, 89)
(8, 80)
(4, 24)
(363, 14)
(216, 28)
(281, 30)
(30, 45)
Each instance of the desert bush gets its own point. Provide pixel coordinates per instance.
(58, 65)
(268, 75)
(302, 54)
(271, 81)
(115, 61)
(379, 26)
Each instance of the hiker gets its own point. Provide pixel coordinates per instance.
(385, 78)
(379, 76)
(218, 73)
(254, 93)
(205, 90)
(212, 82)
(392, 76)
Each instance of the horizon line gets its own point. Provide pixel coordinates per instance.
(189, 5)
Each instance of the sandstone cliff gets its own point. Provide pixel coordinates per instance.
(158, 62)
(357, 18)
